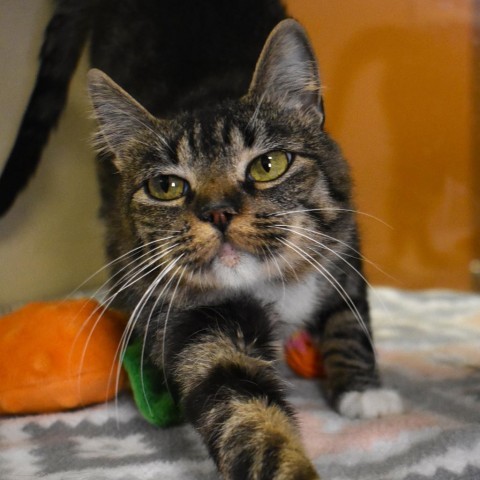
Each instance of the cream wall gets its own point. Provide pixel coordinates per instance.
(51, 240)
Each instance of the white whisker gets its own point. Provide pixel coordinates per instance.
(254, 116)
(337, 254)
(357, 253)
(143, 269)
(113, 262)
(282, 276)
(334, 283)
(322, 245)
(165, 331)
(108, 301)
(331, 209)
(163, 142)
(134, 317)
(160, 296)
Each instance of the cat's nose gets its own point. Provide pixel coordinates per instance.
(218, 215)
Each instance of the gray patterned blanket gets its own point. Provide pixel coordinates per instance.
(429, 349)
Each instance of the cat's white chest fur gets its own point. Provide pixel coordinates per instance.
(293, 303)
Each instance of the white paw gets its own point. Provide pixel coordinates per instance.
(370, 403)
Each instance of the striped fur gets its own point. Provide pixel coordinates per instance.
(220, 365)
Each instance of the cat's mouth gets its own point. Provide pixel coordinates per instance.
(228, 255)
(233, 267)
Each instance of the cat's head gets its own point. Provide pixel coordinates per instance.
(229, 195)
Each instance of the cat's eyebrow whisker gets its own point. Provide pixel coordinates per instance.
(335, 284)
(254, 116)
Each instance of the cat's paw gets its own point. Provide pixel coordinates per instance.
(370, 403)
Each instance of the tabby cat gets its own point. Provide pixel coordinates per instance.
(228, 211)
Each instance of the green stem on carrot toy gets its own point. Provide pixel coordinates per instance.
(150, 392)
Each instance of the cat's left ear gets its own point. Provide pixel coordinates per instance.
(287, 71)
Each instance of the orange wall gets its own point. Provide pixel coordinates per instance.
(397, 78)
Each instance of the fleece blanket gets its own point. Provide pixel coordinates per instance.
(428, 348)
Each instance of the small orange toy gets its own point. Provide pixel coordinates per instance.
(302, 356)
(58, 355)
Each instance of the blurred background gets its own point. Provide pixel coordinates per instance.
(400, 81)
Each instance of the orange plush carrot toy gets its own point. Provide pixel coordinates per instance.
(62, 355)
(58, 355)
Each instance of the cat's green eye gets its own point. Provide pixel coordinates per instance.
(166, 187)
(269, 166)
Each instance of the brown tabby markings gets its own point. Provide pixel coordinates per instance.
(236, 422)
(347, 360)
(256, 423)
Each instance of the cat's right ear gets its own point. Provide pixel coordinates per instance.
(119, 115)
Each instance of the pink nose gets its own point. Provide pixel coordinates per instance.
(219, 214)
(220, 218)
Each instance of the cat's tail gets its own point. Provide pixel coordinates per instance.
(64, 39)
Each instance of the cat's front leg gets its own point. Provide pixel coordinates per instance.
(353, 383)
(220, 362)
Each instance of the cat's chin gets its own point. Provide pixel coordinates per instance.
(235, 269)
